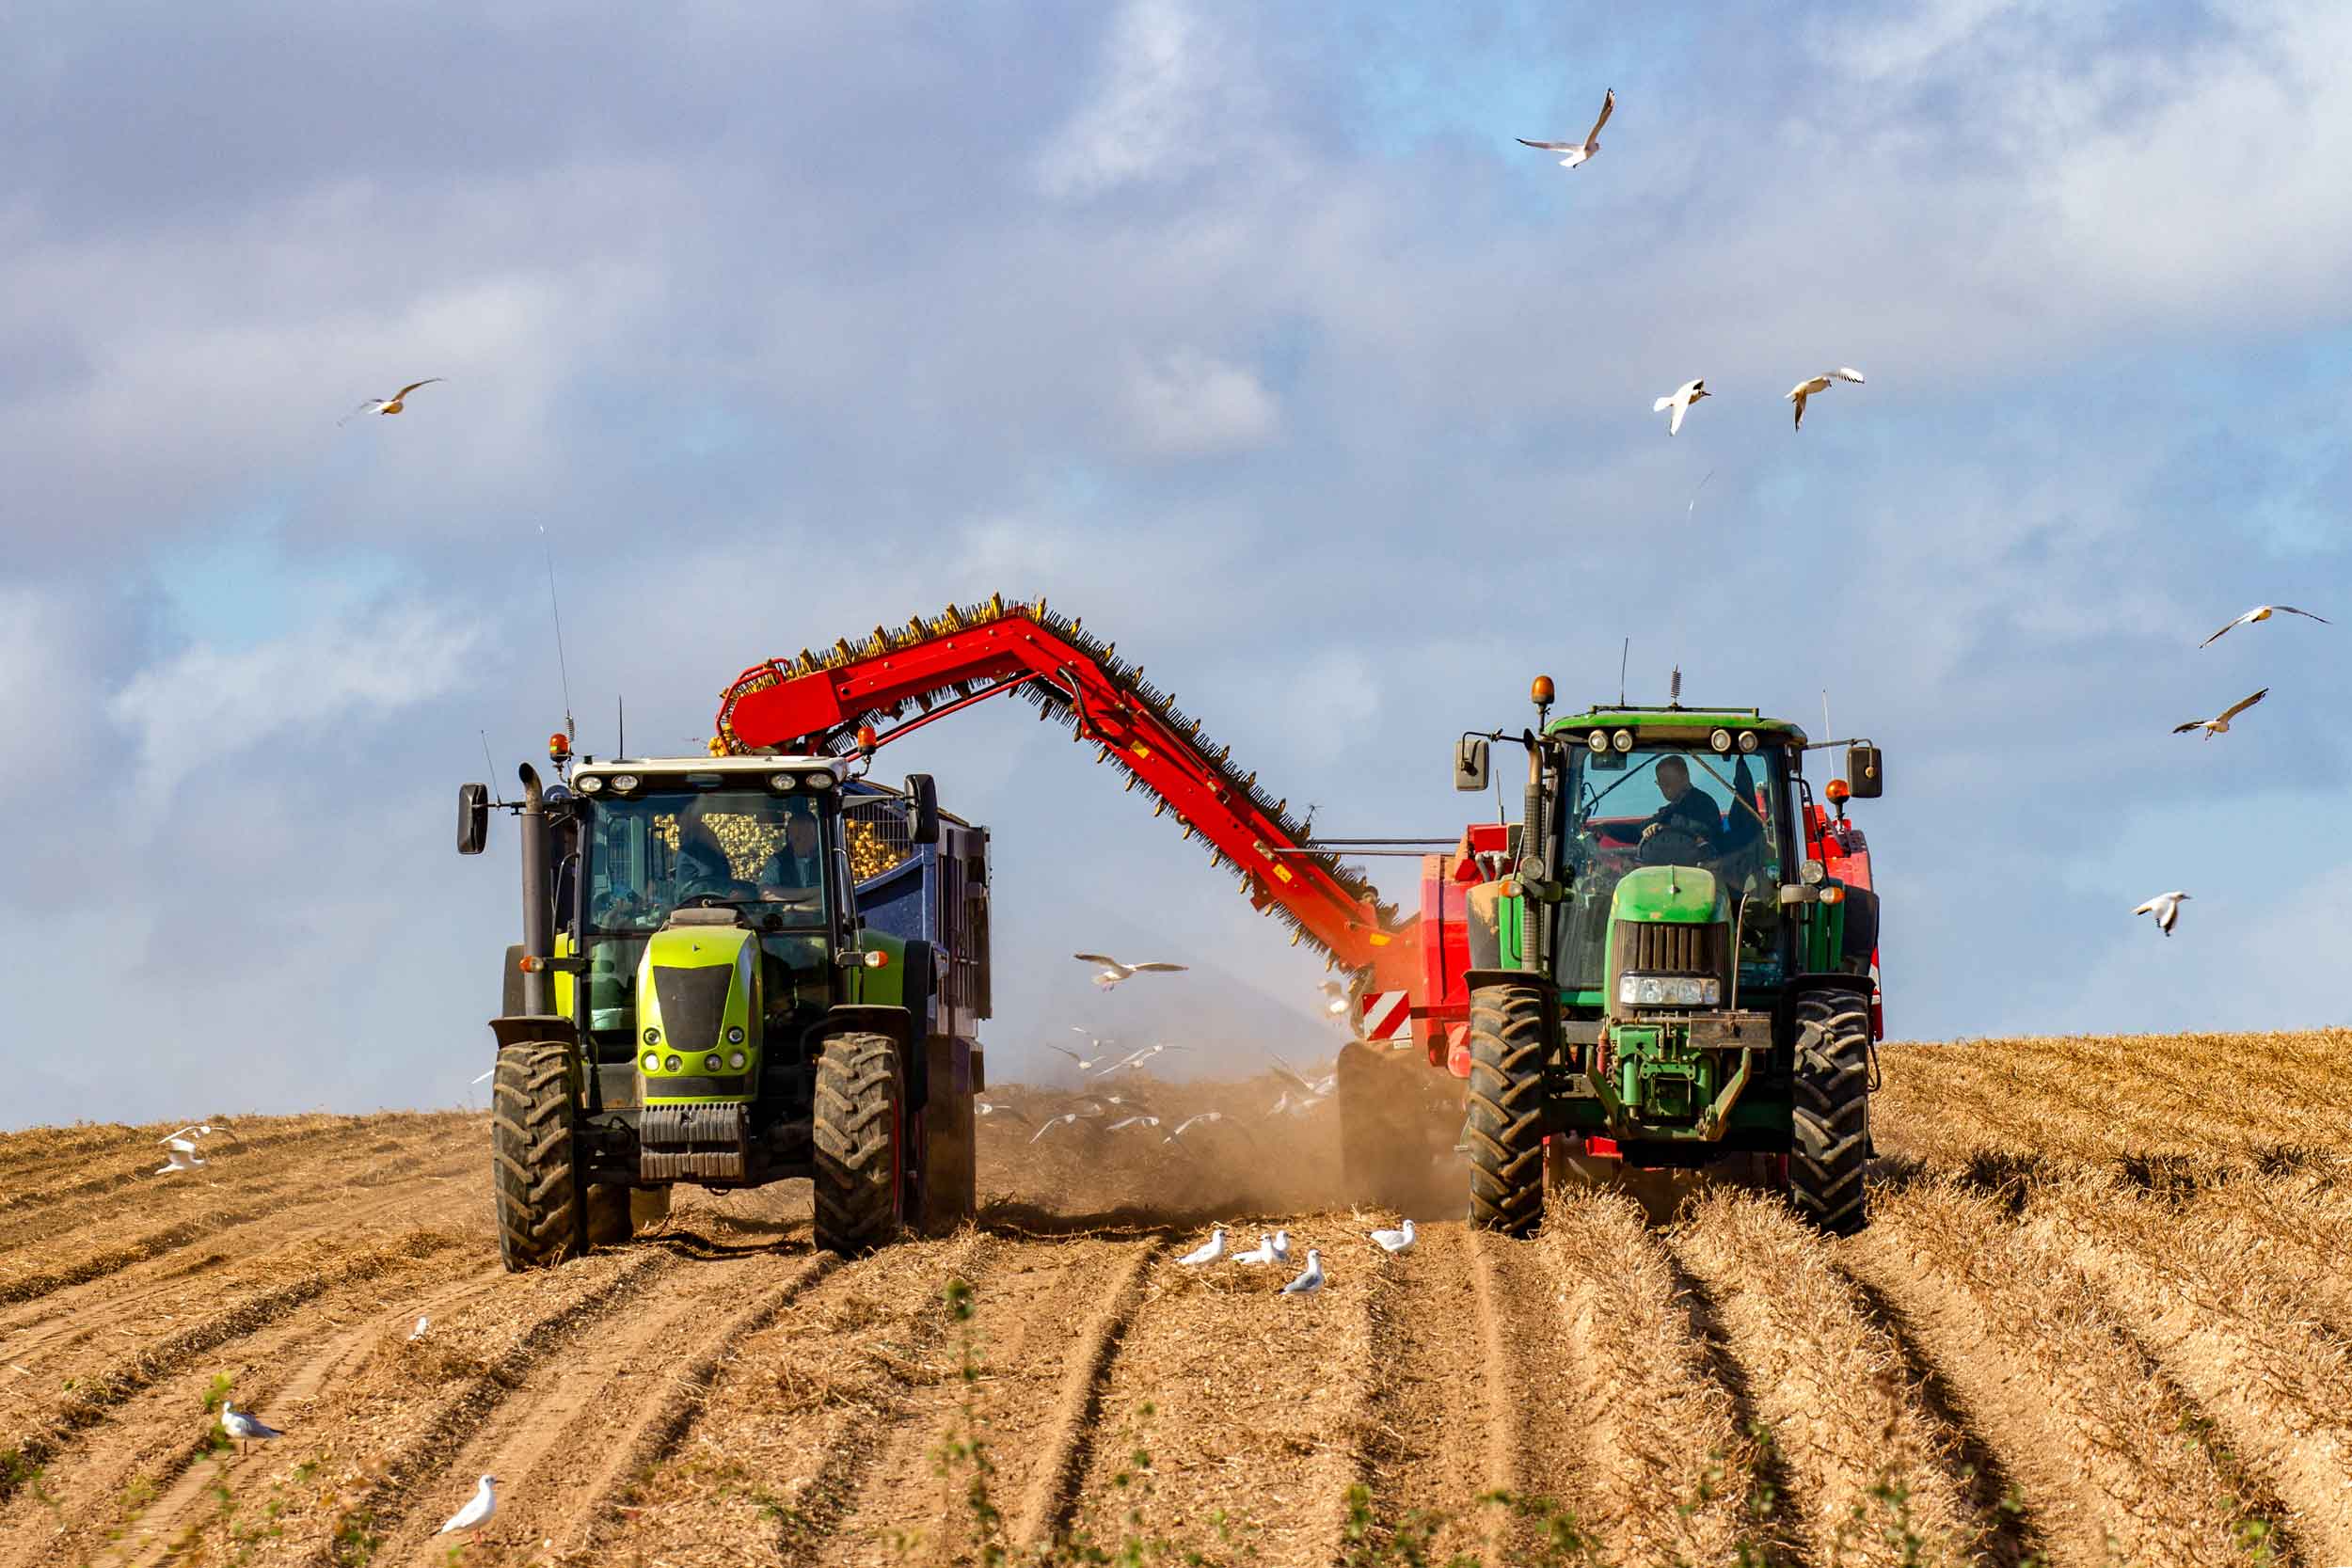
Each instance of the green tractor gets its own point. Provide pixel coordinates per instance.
(1680, 969)
(735, 971)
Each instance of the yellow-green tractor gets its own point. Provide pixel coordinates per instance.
(735, 971)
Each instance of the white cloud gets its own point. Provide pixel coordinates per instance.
(1174, 96)
(203, 704)
(1188, 404)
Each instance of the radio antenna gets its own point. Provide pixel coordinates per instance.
(491, 768)
(555, 610)
(1622, 654)
(620, 714)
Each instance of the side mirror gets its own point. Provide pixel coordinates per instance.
(474, 819)
(922, 808)
(1865, 774)
(1470, 764)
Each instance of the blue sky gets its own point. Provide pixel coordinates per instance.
(1248, 333)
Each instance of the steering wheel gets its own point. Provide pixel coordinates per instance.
(707, 899)
(1670, 846)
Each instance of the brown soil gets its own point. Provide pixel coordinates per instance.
(2102, 1316)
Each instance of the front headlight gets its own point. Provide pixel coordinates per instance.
(652, 1062)
(591, 785)
(1669, 991)
(737, 1060)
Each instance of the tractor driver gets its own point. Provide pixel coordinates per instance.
(798, 865)
(1687, 810)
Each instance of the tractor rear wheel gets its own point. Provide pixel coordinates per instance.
(1506, 1104)
(532, 1169)
(1831, 1146)
(860, 1140)
(950, 1145)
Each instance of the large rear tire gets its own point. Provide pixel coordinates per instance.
(532, 1169)
(1831, 1147)
(950, 1145)
(1506, 1102)
(860, 1138)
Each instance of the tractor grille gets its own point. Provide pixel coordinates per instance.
(1657, 948)
(693, 1001)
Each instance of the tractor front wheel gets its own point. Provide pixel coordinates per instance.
(532, 1169)
(1506, 1104)
(861, 1146)
(1830, 1146)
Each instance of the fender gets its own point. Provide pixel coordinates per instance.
(896, 1023)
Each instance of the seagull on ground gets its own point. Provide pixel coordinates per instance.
(1207, 1252)
(1113, 972)
(1051, 1122)
(1679, 400)
(1261, 1253)
(1395, 1240)
(1310, 1279)
(2220, 725)
(244, 1428)
(1578, 151)
(1813, 383)
(423, 1323)
(1133, 1122)
(2263, 612)
(392, 404)
(1281, 1245)
(1335, 998)
(2166, 907)
(477, 1510)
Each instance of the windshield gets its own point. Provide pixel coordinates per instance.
(1672, 808)
(759, 851)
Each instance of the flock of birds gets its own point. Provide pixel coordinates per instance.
(1276, 1248)
(244, 1429)
(2166, 907)
(1124, 1112)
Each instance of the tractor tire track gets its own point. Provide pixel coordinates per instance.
(2091, 1432)
(76, 1312)
(606, 1396)
(1874, 1478)
(152, 1393)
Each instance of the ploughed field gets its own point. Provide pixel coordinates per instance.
(2103, 1315)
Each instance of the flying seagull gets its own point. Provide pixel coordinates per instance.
(1310, 1279)
(477, 1510)
(1207, 1252)
(1192, 1121)
(989, 1108)
(1133, 1122)
(392, 404)
(2166, 907)
(1137, 1058)
(2220, 725)
(1813, 383)
(181, 1139)
(1114, 972)
(244, 1428)
(183, 1157)
(1395, 1240)
(1679, 400)
(1051, 1122)
(1578, 151)
(1086, 1064)
(2263, 612)
(1335, 997)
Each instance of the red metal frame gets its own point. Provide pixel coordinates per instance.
(811, 703)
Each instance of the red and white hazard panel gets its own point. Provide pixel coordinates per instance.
(1388, 1015)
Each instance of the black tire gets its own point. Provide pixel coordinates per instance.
(1506, 1102)
(859, 1135)
(533, 1171)
(951, 1163)
(1830, 1148)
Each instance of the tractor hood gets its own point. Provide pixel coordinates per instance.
(1679, 895)
(698, 1001)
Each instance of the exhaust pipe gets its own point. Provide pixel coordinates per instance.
(538, 893)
